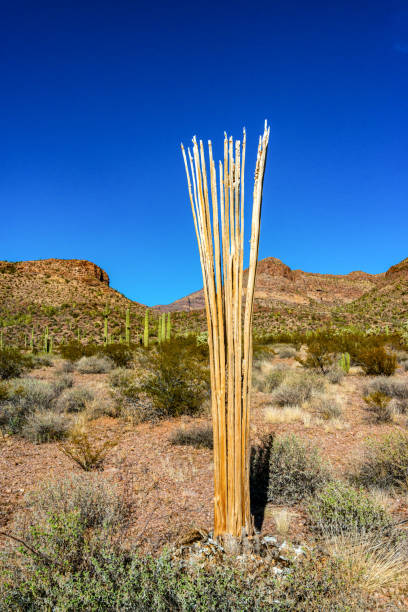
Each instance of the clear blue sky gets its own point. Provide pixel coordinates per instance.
(95, 98)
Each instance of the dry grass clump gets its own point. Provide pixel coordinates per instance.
(62, 382)
(378, 562)
(45, 426)
(283, 518)
(95, 364)
(197, 436)
(74, 400)
(335, 375)
(297, 387)
(287, 414)
(326, 407)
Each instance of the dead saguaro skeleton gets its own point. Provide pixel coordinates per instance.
(219, 226)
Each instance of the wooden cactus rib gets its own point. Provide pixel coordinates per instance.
(219, 229)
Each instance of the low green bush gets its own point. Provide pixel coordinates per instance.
(339, 508)
(13, 363)
(295, 470)
(177, 380)
(75, 569)
(120, 354)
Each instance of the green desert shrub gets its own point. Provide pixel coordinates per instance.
(77, 569)
(197, 436)
(13, 363)
(74, 350)
(94, 365)
(74, 400)
(295, 470)
(298, 387)
(321, 351)
(339, 507)
(120, 354)
(385, 463)
(45, 426)
(377, 362)
(177, 379)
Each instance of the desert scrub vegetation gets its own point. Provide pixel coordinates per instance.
(377, 362)
(94, 365)
(177, 378)
(266, 379)
(45, 426)
(13, 363)
(385, 462)
(296, 470)
(378, 404)
(297, 387)
(120, 354)
(392, 387)
(88, 453)
(339, 508)
(197, 436)
(79, 559)
(74, 400)
(326, 407)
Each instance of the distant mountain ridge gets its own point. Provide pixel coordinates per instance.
(278, 283)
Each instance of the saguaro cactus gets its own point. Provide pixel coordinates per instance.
(168, 330)
(146, 330)
(46, 341)
(127, 327)
(345, 362)
(221, 252)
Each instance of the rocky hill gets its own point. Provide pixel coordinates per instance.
(68, 296)
(71, 297)
(276, 282)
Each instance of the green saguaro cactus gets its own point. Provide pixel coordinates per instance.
(32, 341)
(345, 362)
(1, 340)
(46, 340)
(168, 330)
(146, 330)
(127, 327)
(159, 330)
